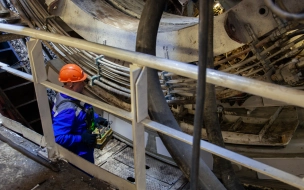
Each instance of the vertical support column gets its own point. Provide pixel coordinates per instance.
(139, 106)
(39, 75)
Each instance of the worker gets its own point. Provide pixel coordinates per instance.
(70, 116)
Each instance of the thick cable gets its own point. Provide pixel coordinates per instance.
(262, 42)
(204, 19)
(158, 108)
(283, 14)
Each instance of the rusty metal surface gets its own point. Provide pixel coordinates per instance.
(156, 169)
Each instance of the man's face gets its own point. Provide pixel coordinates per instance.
(78, 86)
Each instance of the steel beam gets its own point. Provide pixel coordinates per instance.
(39, 75)
(13, 71)
(139, 107)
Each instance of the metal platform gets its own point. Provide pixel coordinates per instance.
(118, 159)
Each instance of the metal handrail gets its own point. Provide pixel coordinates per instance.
(229, 155)
(272, 91)
(215, 77)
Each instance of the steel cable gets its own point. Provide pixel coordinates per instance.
(283, 14)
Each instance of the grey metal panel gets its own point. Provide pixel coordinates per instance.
(293, 166)
(120, 169)
(158, 170)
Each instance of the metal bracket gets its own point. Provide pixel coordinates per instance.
(43, 153)
(93, 78)
(255, 50)
(99, 70)
(46, 19)
(98, 64)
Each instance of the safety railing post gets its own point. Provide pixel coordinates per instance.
(139, 110)
(39, 75)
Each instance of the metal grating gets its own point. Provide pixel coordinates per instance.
(125, 172)
(110, 149)
(156, 169)
(180, 184)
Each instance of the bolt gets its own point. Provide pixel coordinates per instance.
(232, 28)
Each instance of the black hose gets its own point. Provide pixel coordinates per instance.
(205, 17)
(211, 120)
(25, 152)
(221, 166)
(285, 15)
(158, 108)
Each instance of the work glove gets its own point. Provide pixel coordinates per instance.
(88, 138)
(102, 121)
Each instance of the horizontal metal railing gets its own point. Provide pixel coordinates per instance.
(272, 91)
(106, 107)
(229, 155)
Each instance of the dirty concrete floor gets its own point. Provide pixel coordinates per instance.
(21, 173)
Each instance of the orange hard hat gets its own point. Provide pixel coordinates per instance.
(71, 73)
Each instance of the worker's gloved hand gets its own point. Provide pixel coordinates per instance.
(88, 138)
(102, 121)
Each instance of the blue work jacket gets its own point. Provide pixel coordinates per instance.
(68, 125)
